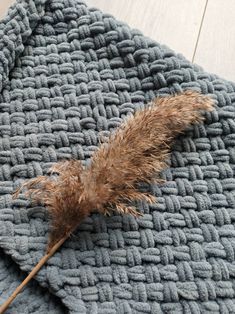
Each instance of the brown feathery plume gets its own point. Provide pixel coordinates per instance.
(133, 154)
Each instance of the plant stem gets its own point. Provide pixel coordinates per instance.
(33, 272)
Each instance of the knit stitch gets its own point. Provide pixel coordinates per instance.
(68, 75)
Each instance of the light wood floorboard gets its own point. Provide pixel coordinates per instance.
(216, 45)
(174, 23)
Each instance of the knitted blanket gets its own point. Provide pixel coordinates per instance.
(69, 74)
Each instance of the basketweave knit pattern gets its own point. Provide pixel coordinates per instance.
(69, 74)
(34, 299)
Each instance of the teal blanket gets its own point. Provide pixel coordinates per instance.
(69, 74)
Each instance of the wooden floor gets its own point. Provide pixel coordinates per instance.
(202, 30)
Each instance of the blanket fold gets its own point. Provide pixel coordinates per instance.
(15, 29)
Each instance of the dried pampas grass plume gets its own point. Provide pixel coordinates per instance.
(136, 152)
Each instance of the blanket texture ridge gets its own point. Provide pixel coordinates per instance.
(68, 75)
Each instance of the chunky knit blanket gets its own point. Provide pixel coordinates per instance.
(69, 74)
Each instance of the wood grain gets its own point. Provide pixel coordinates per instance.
(216, 45)
(4, 5)
(173, 23)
